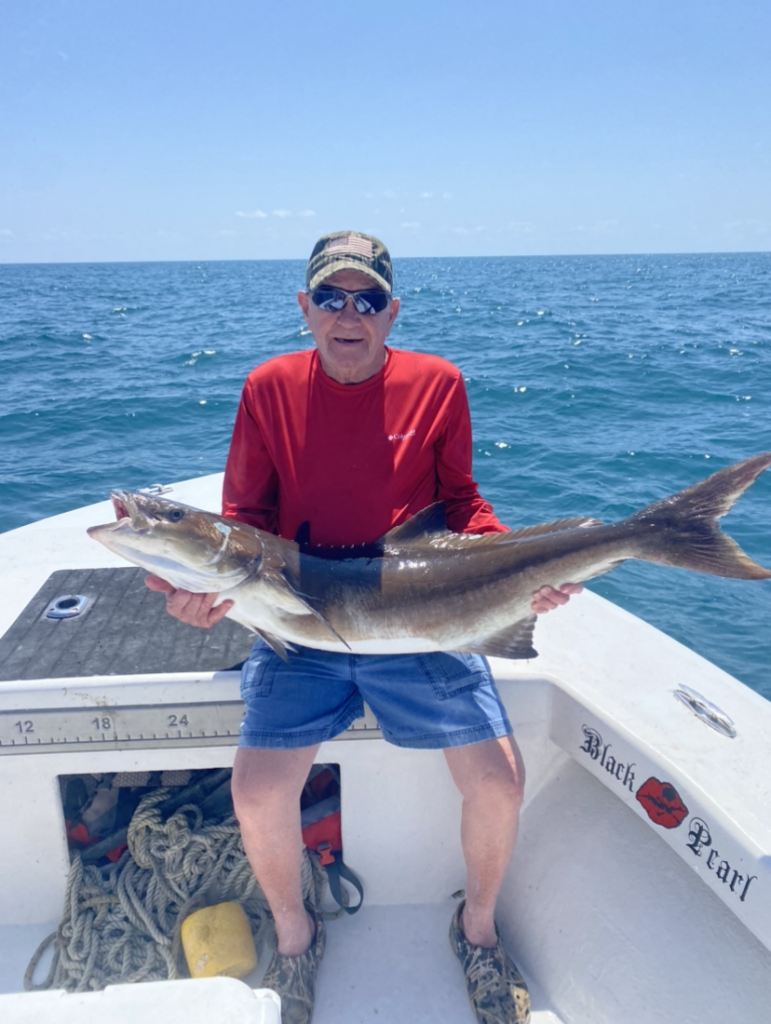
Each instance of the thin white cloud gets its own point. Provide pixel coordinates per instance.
(446, 195)
(250, 214)
(426, 195)
(307, 213)
(601, 227)
(226, 233)
(759, 227)
(6, 232)
(410, 224)
(282, 213)
(389, 194)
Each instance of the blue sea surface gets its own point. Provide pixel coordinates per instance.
(597, 385)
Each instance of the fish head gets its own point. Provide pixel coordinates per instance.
(189, 548)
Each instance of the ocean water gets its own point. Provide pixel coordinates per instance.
(597, 385)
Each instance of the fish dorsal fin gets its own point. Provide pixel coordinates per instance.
(303, 535)
(512, 642)
(463, 540)
(430, 525)
(425, 525)
(555, 527)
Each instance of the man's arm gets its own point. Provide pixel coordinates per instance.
(467, 510)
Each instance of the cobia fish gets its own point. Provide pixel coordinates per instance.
(421, 588)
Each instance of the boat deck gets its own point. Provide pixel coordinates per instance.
(386, 964)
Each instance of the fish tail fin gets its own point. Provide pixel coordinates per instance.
(683, 530)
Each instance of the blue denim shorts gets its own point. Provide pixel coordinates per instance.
(420, 700)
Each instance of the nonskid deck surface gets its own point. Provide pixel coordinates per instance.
(386, 964)
(123, 631)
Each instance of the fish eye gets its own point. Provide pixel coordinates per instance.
(175, 515)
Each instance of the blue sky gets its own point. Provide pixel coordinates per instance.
(238, 130)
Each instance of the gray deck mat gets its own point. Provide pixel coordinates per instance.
(123, 631)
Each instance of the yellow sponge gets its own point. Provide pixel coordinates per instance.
(218, 940)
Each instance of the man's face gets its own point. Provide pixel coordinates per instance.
(351, 345)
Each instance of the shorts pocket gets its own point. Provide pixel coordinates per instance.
(258, 672)
(452, 672)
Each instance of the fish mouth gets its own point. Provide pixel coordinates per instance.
(126, 508)
(120, 504)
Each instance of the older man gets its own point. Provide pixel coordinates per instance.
(339, 444)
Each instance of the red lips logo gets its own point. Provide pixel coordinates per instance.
(662, 803)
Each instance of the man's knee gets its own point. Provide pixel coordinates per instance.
(267, 781)
(249, 796)
(501, 782)
(490, 769)
(511, 786)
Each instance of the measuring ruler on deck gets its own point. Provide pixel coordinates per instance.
(142, 726)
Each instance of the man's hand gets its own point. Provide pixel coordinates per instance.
(547, 598)
(193, 609)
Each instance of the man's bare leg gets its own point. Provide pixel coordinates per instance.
(267, 785)
(491, 778)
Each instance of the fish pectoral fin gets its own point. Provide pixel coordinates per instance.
(512, 642)
(283, 594)
(287, 599)
(276, 643)
(430, 522)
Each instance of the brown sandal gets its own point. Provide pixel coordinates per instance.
(496, 990)
(294, 977)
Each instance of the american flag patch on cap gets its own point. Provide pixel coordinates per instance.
(349, 250)
(351, 245)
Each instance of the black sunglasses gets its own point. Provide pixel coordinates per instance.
(332, 300)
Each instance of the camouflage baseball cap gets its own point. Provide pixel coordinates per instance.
(349, 250)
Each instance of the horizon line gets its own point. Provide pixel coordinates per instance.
(303, 259)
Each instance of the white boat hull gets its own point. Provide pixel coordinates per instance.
(613, 917)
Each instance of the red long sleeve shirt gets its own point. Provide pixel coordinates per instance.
(352, 460)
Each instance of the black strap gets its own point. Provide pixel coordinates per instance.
(335, 871)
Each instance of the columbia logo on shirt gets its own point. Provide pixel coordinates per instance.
(401, 437)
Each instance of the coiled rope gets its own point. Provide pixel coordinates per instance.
(121, 923)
